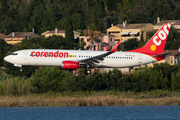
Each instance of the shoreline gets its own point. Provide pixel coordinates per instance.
(46, 100)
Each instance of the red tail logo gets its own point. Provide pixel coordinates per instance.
(157, 43)
(105, 49)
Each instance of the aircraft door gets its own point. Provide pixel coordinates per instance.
(139, 58)
(25, 55)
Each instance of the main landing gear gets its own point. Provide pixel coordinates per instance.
(87, 71)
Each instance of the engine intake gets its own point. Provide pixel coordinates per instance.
(70, 65)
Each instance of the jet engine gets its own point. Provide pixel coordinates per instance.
(70, 65)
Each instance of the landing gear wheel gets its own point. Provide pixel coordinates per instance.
(87, 71)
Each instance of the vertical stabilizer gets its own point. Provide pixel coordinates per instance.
(157, 43)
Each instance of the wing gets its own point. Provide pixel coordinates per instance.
(99, 58)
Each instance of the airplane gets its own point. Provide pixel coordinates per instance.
(151, 52)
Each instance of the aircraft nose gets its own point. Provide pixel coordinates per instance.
(7, 58)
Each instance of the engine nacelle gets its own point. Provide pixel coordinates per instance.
(70, 65)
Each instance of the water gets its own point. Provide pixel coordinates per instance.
(92, 113)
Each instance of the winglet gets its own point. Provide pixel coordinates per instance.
(115, 47)
(105, 49)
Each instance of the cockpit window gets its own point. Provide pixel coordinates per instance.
(14, 54)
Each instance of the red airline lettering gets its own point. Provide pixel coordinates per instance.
(45, 54)
(42, 54)
(32, 54)
(61, 54)
(66, 54)
(56, 54)
(50, 54)
(37, 54)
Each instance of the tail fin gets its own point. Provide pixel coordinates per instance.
(157, 43)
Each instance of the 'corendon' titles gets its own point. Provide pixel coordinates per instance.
(162, 34)
(50, 54)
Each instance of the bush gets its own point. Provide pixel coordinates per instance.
(47, 79)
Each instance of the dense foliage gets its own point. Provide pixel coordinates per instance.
(161, 76)
(53, 80)
(3, 50)
(43, 15)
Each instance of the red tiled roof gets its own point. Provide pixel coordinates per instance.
(58, 31)
(53, 31)
(2, 36)
(18, 34)
(170, 50)
(132, 26)
(174, 22)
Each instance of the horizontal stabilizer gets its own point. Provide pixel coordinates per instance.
(163, 54)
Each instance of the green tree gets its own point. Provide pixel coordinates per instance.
(77, 21)
(92, 32)
(3, 50)
(173, 81)
(154, 79)
(131, 44)
(166, 83)
(69, 82)
(47, 79)
(150, 33)
(146, 11)
(173, 41)
(142, 77)
(69, 35)
(178, 80)
(80, 44)
(142, 41)
(112, 5)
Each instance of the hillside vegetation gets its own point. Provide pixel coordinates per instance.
(43, 15)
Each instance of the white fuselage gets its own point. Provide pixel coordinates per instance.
(37, 57)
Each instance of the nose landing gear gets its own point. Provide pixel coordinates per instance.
(18, 66)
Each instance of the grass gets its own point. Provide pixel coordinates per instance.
(14, 85)
(104, 98)
(15, 92)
